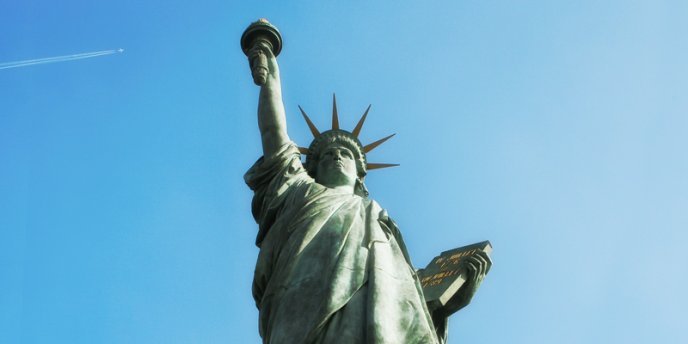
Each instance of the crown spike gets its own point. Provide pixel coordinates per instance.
(335, 116)
(373, 145)
(357, 130)
(375, 166)
(311, 126)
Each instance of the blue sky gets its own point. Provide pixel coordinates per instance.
(557, 130)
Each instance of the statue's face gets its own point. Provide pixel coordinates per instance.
(336, 166)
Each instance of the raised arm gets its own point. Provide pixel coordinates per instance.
(271, 116)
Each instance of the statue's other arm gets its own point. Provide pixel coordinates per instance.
(271, 115)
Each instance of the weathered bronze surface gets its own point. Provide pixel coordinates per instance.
(332, 266)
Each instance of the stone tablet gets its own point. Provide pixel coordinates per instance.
(444, 276)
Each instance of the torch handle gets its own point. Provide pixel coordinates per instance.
(259, 63)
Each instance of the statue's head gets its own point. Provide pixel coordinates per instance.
(336, 157)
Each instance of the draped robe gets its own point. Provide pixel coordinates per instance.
(332, 267)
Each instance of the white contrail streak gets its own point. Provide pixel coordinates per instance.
(63, 58)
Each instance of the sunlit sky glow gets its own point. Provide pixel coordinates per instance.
(557, 130)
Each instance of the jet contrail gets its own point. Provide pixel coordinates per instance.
(63, 58)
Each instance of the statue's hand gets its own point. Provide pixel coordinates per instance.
(477, 266)
(263, 64)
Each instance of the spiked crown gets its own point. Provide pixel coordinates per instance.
(346, 138)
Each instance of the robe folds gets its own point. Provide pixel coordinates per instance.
(332, 267)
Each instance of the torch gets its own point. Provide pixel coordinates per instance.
(261, 31)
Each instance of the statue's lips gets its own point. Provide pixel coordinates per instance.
(337, 164)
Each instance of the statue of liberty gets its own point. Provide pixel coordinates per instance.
(332, 267)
